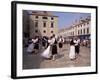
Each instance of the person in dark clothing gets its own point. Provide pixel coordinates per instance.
(44, 42)
(36, 44)
(77, 46)
(60, 43)
(54, 47)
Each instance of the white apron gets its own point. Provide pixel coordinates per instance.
(30, 47)
(72, 52)
(46, 53)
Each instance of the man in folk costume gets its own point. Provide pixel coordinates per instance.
(77, 45)
(53, 47)
(43, 42)
(60, 41)
(36, 44)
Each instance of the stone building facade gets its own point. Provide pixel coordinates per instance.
(81, 29)
(42, 23)
(39, 23)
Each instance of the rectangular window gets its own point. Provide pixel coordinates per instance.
(78, 32)
(52, 24)
(81, 31)
(87, 30)
(84, 31)
(44, 17)
(36, 23)
(44, 24)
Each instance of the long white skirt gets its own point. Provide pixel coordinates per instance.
(46, 53)
(72, 52)
(30, 47)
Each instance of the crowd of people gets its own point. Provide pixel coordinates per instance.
(50, 44)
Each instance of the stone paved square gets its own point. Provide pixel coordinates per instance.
(36, 61)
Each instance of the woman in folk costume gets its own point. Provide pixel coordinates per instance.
(54, 47)
(47, 52)
(72, 50)
(30, 46)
